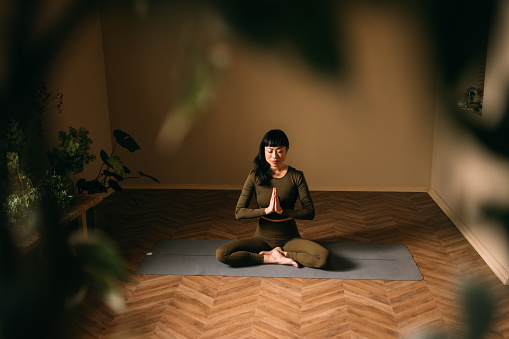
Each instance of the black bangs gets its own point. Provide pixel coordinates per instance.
(275, 138)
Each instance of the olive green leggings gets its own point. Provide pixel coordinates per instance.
(267, 236)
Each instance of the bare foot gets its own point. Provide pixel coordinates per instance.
(277, 256)
(271, 251)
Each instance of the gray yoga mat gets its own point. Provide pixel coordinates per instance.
(349, 260)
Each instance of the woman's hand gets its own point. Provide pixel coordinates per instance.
(277, 204)
(274, 205)
(271, 207)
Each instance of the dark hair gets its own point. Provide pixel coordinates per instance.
(273, 138)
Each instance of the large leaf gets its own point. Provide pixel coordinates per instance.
(104, 157)
(125, 140)
(149, 176)
(117, 164)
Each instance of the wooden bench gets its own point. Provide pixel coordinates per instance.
(78, 210)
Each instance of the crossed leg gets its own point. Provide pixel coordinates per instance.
(243, 252)
(306, 252)
(253, 251)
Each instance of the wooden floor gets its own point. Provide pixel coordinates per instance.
(242, 307)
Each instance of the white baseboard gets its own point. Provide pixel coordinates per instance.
(312, 188)
(368, 188)
(490, 260)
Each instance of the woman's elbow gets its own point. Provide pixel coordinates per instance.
(239, 214)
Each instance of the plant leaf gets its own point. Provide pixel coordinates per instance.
(115, 185)
(125, 140)
(117, 164)
(479, 307)
(99, 255)
(114, 175)
(127, 170)
(104, 157)
(149, 176)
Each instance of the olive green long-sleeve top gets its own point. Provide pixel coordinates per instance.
(290, 187)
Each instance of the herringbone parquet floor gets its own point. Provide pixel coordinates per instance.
(243, 307)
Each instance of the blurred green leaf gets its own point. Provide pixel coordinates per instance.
(125, 140)
(99, 256)
(479, 308)
(457, 43)
(306, 26)
(495, 138)
(99, 262)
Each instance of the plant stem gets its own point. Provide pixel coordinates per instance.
(106, 176)
(113, 150)
(132, 177)
(100, 169)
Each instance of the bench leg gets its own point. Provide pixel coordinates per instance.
(82, 223)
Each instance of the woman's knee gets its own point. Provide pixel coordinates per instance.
(221, 254)
(322, 258)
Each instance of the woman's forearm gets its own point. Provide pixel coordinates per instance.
(249, 213)
(304, 214)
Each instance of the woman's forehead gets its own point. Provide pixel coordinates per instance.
(274, 147)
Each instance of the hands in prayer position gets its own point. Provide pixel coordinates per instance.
(277, 255)
(274, 205)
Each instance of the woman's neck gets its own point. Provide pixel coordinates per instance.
(279, 171)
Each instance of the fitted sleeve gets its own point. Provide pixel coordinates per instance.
(243, 211)
(307, 211)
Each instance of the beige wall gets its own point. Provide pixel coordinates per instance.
(375, 132)
(466, 176)
(78, 72)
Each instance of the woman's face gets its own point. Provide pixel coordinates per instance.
(275, 155)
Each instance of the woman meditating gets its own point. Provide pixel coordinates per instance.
(277, 187)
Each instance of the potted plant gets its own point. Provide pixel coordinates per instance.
(17, 139)
(112, 170)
